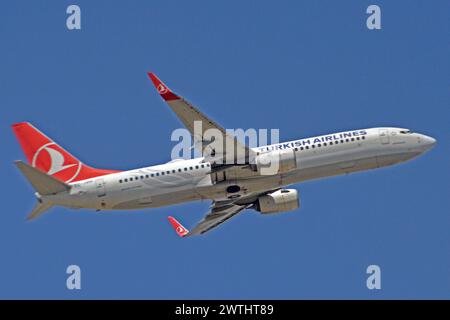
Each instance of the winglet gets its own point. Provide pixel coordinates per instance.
(163, 90)
(179, 229)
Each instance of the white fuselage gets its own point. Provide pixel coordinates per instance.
(187, 180)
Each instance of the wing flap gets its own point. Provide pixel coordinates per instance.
(215, 218)
(219, 214)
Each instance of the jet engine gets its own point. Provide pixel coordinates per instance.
(278, 201)
(276, 162)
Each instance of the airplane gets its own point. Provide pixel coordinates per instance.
(60, 179)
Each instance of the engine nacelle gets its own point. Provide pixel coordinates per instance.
(278, 201)
(276, 162)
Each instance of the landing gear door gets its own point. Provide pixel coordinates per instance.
(384, 136)
(100, 187)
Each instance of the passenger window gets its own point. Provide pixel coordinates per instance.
(196, 167)
(301, 148)
(185, 169)
(203, 166)
(190, 168)
(319, 145)
(120, 181)
(157, 174)
(179, 170)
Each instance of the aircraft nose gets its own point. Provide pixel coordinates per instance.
(428, 141)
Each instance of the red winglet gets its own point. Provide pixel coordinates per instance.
(179, 229)
(163, 90)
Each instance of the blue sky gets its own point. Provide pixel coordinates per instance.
(308, 68)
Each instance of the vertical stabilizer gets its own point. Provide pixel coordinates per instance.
(49, 157)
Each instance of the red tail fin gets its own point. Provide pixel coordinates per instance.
(179, 229)
(46, 155)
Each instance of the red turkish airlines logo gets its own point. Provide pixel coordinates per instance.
(50, 158)
(162, 89)
(181, 230)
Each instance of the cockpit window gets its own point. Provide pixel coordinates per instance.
(405, 131)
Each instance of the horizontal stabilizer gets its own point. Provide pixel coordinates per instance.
(38, 210)
(41, 182)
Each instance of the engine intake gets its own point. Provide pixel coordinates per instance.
(278, 201)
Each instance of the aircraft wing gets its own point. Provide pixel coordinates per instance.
(220, 212)
(189, 114)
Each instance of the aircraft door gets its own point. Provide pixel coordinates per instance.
(100, 187)
(384, 136)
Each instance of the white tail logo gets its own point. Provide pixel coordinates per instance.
(56, 159)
